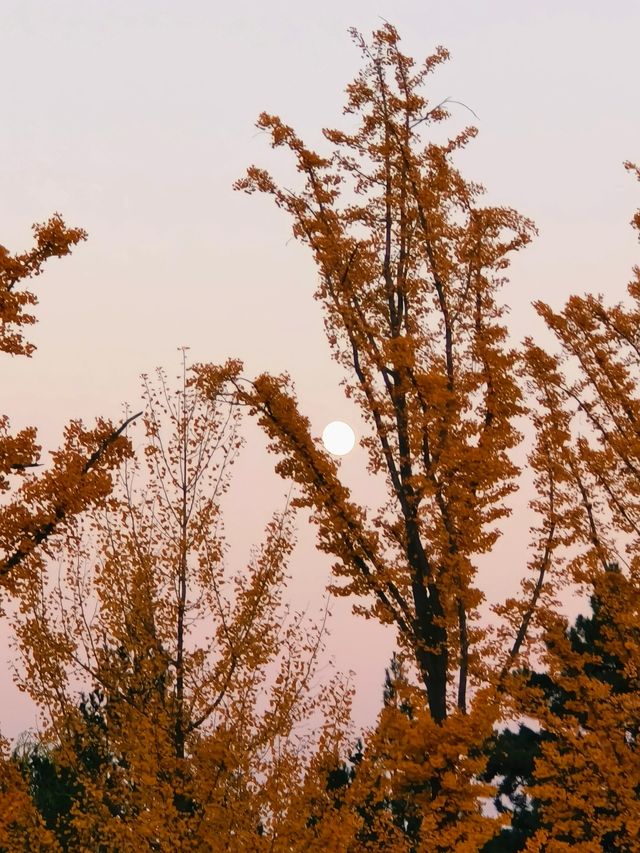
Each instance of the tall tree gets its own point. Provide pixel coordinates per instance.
(410, 265)
(201, 679)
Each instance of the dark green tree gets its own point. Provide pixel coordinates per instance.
(54, 787)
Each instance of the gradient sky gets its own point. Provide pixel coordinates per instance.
(134, 118)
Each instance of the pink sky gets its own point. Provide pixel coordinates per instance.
(134, 118)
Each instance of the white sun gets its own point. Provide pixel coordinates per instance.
(338, 438)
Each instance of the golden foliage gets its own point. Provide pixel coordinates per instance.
(79, 476)
(200, 727)
(410, 265)
(53, 240)
(201, 676)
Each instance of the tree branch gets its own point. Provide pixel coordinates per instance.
(43, 532)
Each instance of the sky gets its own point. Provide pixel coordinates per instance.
(133, 119)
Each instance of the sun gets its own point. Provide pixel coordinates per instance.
(338, 438)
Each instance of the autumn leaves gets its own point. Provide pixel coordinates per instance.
(176, 692)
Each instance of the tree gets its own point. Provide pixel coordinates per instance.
(520, 758)
(586, 779)
(52, 785)
(408, 279)
(410, 266)
(198, 681)
(44, 506)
